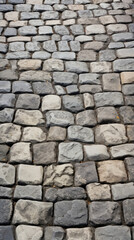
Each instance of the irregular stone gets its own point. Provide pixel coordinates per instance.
(86, 118)
(6, 115)
(50, 46)
(110, 134)
(70, 152)
(60, 90)
(21, 87)
(108, 99)
(35, 76)
(127, 114)
(79, 233)
(77, 29)
(104, 213)
(7, 174)
(7, 100)
(51, 102)
(64, 213)
(20, 153)
(95, 29)
(122, 191)
(56, 134)
(79, 133)
(97, 191)
(108, 232)
(28, 192)
(59, 118)
(61, 30)
(28, 101)
(24, 210)
(85, 173)
(29, 64)
(128, 210)
(26, 232)
(10, 133)
(89, 78)
(123, 150)
(88, 100)
(5, 211)
(63, 46)
(44, 153)
(107, 114)
(29, 117)
(76, 67)
(3, 153)
(68, 193)
(65, 78)
(86, 55)
(96, 152)
(54, 233)
(52, 65)
(6, 233)
(33, 134)
(60, 175)
(8, 74)
(43, 88)
(112, 171)
(129, 161)
(127, 77)
(29, 174)
(120, 65)
(101, 67)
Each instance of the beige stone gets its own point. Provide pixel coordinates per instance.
(29, 117)
(56, 134)
(29, 64)
(116, 28)
(53, 22)
(79, 233)
(127, 77)
(51, 102)
(88, 100)
(20, 153)
(34, 2)
(17, 23)
(76, 7)
(69, 22)
(33, 134)
(97, 191)
(28, 232)
(51, 65)
(112, 171)
(107, 19)
(19, 39)
(101, 67)
(29, 174)
(11, 16)
(3, 23)
(95, 29)
(32, 75)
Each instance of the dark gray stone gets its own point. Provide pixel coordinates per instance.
(73, 103)
(5, 211)
(89, 78)
(28, 192)
(3, 153)
(108, 99)
(80, 134)
(43, 88)
(65, 78)
(85, 173)
(6, 233)
(128, 210)
(68, 193)
(6, 7)
(127, 114)
(8, 32)
(6, 115)
(28, 101)
(72, 89)
(70, 213)
(7, 100)
(44, 153)
(102, 213)
(113, 232)
(86, 118)
(130, 167)
(54, 233)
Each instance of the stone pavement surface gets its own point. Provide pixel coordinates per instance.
(66, 120)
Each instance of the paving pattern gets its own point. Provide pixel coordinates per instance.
(66, 120)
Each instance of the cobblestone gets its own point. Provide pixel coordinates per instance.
(66, 120)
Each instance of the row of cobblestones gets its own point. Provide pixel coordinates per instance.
(66, 120)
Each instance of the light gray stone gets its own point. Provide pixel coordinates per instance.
(20, 153)
(107, 114)
(28, 192)
(53, 233)
(59, 118)
(7, 174)
(86, 118)
(70, 152)
(33, 134)
(123, 150)
(21, 87)
(6, 115)
(26, 232)
(64, 55)
(96, 152)
(109, 232)
(29, 117)
(8, 74)
(120, 65)
(41, 55)
(80, 134)
(59, 176)
(79, 233)
(122, 191)
(27, 30)
(65, 78)
(89, 78)
(108, 99)
(128, 210)
(76, 67)
(25, 209)
(35, 76)
(7, 100)
(51, 102)
(10, 133)
(52, 65)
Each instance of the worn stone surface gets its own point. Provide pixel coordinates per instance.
(66, 119)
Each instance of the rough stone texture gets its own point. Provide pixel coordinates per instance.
(70, 213)
(104, 213)
(25, 209)
(60, 176)
(66, 119)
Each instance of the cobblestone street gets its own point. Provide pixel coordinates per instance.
(66, 120)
